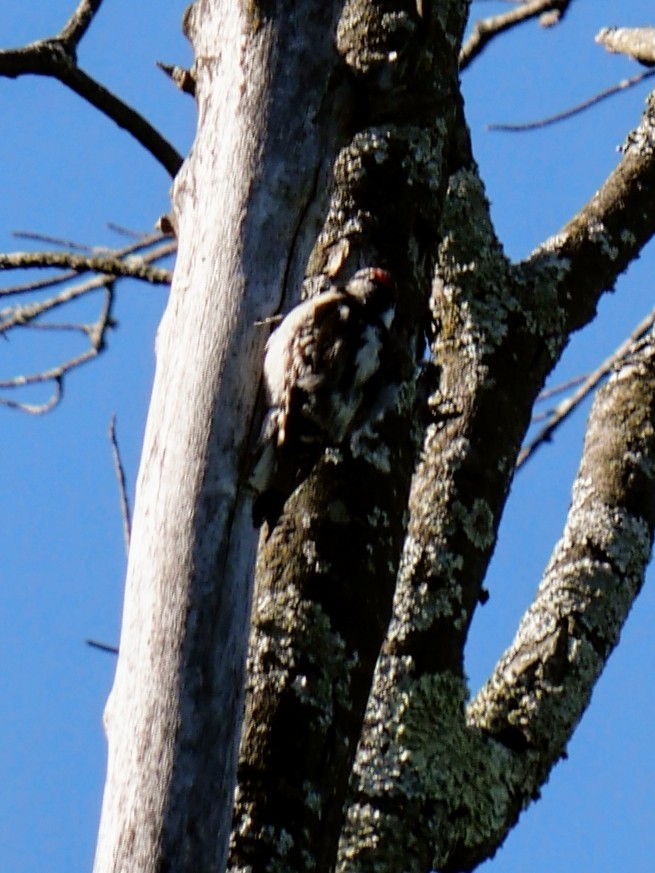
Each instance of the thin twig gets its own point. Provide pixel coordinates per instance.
(575, 110)
(125, 231)
(51, 240)
(487, 29)
(153, 248)
(103, 647)
(122, 488)
(56, 374)
(38, 284)
(566, 407)
(37, 408)
(59, 326)
(547, 393)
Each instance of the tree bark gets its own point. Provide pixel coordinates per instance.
(430, 791)
(245, 205)
(332, 136)
(326, 572)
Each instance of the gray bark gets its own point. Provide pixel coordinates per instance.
(245, 216)
(431, 790)
(326, 572)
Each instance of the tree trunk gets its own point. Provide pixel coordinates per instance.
(245, 204)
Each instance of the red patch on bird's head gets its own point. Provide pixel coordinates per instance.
(372, 283)
(385, 283)
(382, 276)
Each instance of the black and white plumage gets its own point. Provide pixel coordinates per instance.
(320, 374)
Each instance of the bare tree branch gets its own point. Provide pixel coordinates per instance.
(52, 240)
(636, 42)
(183, 78)
(103, 647)
(454, 513)
(543, 683)
(498, 332)
(164, 247)
(79, 22)
(36, 408)
(57, 57)
(109, 266)
(547, 393)
(26, 313)
(22, 315)
(125, 231)
(623, 85)
(122, 114)
(487, 29)
(122, 487)
(570, 404)
(596, 246)
(152, 248)
(96, 334)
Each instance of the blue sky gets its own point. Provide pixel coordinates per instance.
(64, 170)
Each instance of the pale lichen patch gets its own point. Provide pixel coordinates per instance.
(423, 750)
(477, 523)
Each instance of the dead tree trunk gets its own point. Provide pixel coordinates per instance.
(245, 204)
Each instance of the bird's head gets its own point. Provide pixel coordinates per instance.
(376, 289)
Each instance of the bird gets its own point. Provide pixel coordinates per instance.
(321, 376)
